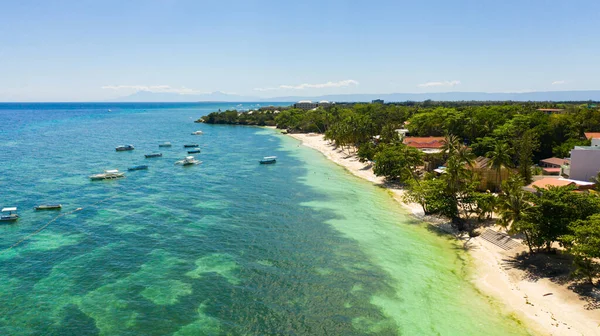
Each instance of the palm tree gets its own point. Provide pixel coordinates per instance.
(499, 158)
(513, 202)
(451, 144)
(464, 154)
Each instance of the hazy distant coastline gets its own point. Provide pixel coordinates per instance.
(583, 95)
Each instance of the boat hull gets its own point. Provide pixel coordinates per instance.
(148, 156)
(111, 177)
(49, 207)
(138, 168)
(191, 146)
(11, 218)
(267, 161)
(194, 151)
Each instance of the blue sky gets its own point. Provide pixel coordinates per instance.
(97, 50)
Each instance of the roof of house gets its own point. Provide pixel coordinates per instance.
(555, 161)
(481, 162)
(592, 135)
(424, 142)
(558, 182)
(550, 182)
(551, 170)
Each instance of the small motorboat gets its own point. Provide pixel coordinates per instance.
(197, 133)
(191, 145)
(48, 207)
(9, 214)
(189, 160)
(194, 151)
(140, 167)
(165, 144)
(124, 148)
(153, 155)
(268, 160)
(108, 175)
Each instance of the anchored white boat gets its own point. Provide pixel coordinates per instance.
(165, 144)
(268, 160)
(197, 133)
(124, 148)
(189, 160)
(9, 214)
(108, 175)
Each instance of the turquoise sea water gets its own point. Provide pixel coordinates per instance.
(229, 247)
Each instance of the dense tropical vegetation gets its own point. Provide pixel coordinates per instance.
(511, 135)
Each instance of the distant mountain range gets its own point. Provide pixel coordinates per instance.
(147, 96)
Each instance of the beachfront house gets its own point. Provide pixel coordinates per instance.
(431, 146)
(553, 165)
(428, 145)
(546, 182)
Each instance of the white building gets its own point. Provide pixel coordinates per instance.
(324, 104)
(585, 163)
(306, 105)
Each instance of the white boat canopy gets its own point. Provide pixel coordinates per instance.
(112, 171)
(9, 209)
(189, 157)
(270, 157)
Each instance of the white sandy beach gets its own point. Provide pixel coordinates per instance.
(560, 313)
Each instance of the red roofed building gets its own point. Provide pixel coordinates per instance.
(592, 135)
(546, 182)
(552, 166)
(426, 144)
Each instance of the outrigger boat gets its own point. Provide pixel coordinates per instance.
(194, 151)
(189, 160)
(153, 155)
(197, 133)
(48, 207)
(140, 167)
(124, 148)
(166, 144)
(268, 160)
(190, 145)
(9, 214)
(108, 175)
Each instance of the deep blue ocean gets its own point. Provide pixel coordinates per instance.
(228, 247)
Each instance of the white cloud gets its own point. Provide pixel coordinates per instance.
(559, 82)
(153, 88)
(342, 83)
(445, 83)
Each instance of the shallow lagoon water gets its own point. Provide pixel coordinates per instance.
(227, 247)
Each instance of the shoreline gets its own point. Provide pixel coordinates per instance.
(560, 313)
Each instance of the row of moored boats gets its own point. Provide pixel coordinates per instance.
(187, 161)
(10, 213)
